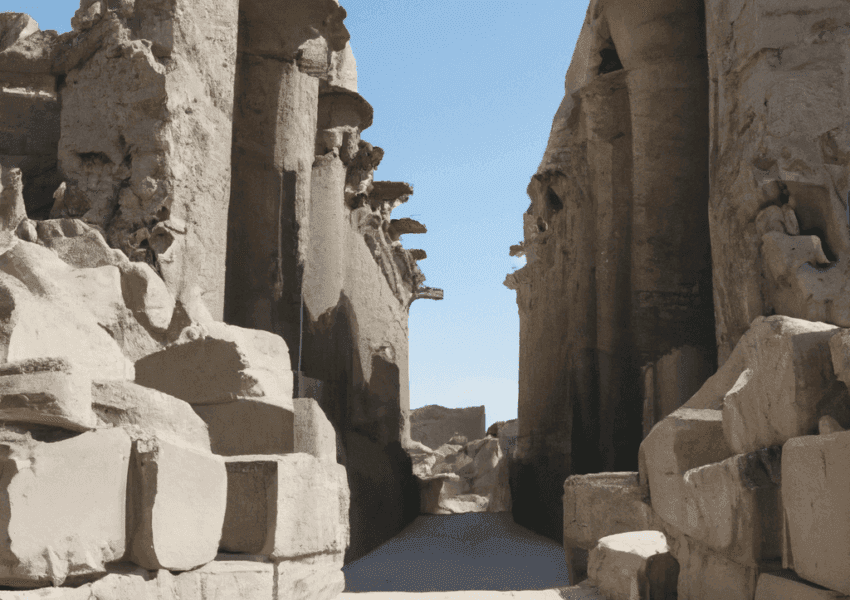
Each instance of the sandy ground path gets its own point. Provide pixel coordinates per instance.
(472, 556)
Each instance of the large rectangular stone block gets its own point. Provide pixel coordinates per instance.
(435, 425)
(178, 505)
(64, 509)
(634, 566)
(816, 498)
(735, 506)
(249, 426)
(686, 439)
(318, 577)
(314, 434)
(285, 506)
(706, 575)
(46, 391)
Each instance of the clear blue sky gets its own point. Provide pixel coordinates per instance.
(464, 94)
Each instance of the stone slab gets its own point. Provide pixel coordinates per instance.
(285, 506)
(634, 566)
(435, 425)
(815, 492)
(177, 507)
(249, 426)
(145, 412)
(317, 577)
(65, 510)
(46, 391)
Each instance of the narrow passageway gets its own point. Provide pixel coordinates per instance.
(460, 556)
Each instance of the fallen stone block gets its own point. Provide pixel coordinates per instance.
(221, 364)
(64, 509)
(599, 505)
(686, 439)
(735, 506)
(178, 503)
(787, 585)
(787, 383)
(706, 575)
(318, 577)
(46, 391)
(146, 294)
(77, 243)
(435, 425)
(145, 412)
(314, 434)
(815, 492)
(249, 426)
(285, 506)
(634, 566)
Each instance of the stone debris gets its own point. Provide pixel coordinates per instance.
(177, 507)
(634, 566)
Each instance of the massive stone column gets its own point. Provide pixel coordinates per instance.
(780, 144)
(618, 273)
(146, 156)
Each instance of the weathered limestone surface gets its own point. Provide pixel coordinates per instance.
(435, 425)
(178, 505)
(778, 148)
(618, 271)
(706, 575)
(147, 157)
(313, 432)
(64, 509)
(815, 488)
(317, 577)
(786, 585)
(285, 507)
(634, 566)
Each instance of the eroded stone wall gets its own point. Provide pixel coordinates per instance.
(618, 270)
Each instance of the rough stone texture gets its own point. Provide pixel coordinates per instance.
(178, 505)
(285, 507)
(64, 509)
(786, 385)
(686, 439)
(634, 566)
(735, 506)
(435, 425)
(46, 391)
(313, 432)
(143, 412)
(249, 426)
(599, 505)
(705, 575)
(147, 157)
(786, 585)
(54, 309)
(220, 363)
(778, 147)
(458, 479)
(815, 488)
(77, 243)
(217, 580)
(618, 271)
(318, 577)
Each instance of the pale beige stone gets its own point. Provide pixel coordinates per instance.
(179, 501)
(735, 506)
(66, 505)
(828, 424)
(145, 412)
(285, 506)
(839, 345)
(262, 425)
(706, 575)
(686, 439)
(634, 566)
(435, 425)
(77, 243)
(220, 363)
(815, 489)
(46, 391)
(318, 577)
(314, 434)
(787, 381)
(787, 585)
(147, 295)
